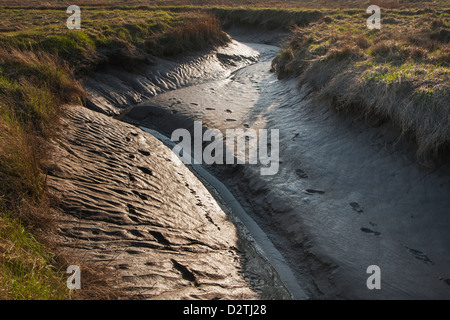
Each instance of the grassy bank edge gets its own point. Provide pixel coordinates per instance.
(398, 75)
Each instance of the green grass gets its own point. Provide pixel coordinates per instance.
(109, 35)
(32, 87)
(284, 4)
(27, 270)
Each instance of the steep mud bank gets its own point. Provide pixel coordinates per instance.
(344, 198)
(128, 207)
(111, 90)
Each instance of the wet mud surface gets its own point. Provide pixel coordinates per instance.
(344, 197)
(128, 207)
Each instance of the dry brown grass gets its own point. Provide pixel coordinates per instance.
(193, 34)
(31, 86)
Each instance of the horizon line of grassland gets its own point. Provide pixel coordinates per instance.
(41, 63)
(397, 75)
(285, 4)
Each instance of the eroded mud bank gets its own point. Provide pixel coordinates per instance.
(114, 89)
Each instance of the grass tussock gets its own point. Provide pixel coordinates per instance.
(110, 36)
(27, 269)
(399, 73)
(32, 87)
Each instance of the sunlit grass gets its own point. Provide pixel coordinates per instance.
(389, 4)
(109, 34)
(27, 270)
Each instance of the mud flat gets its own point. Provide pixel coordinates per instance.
(255, 235)
(130, 207)
(345, 197)
(148, 220)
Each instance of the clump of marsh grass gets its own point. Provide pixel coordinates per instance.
(192, 34)
(380, 73)
(27, 269)
(125, 36)
(33, 85)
